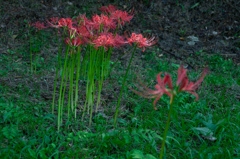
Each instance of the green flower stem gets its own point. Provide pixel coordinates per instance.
(93, 83)
(87, 96)
(88, 87)
(101, 74)
(92, 100)
(60, 95)
(84, 64)
(91, 78)
(65, 85)
(73, 63)
(116, 30)
(58, 66)
(117, 61)
(85, 61)
(116, 113)
(167, 126)
(69, 92)
(77, 78)
(106, 69)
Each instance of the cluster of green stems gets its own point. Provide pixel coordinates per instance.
(93, 66)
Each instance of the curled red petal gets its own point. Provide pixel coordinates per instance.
(167, 79)
(182, 73)
(196, 85)
(195, 94)
(155, 101)
(184, 83)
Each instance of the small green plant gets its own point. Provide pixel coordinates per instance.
(182, 32)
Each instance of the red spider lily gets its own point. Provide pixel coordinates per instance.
(90, 29)
(109, 23)
(63, 23)
(108, 40)
(39, 25)
(119, 41)
(97, 21)
(82, 20)
(75, 42)
(105, 40)
(104, 20)
(140, 41)
(83, 32)
(161, 89)
(189, 87)
(170, 91)
(121, 16)
(109, 9)
(53, 20)
(72, 32)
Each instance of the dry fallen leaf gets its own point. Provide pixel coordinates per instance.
(181, 38)
(14, 36)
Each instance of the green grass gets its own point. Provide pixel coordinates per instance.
(208, 128)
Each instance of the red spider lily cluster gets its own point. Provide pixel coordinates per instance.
(99, 31)
(100, 34)
(183, 84)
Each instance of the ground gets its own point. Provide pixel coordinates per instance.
(216, 25)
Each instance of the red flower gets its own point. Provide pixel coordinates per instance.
(119, 41)
(105, 39)
(75, 42)
(103, 20)
(63, 23)
(121, 16)
(72, 32)
(83, 32)
(161, 89)
(109, 9)
(39, 25)
(170, 91)
(109, 23)
(54, 20)
(82, 20)
(183, 81)
(140, 41)
(96, 21)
